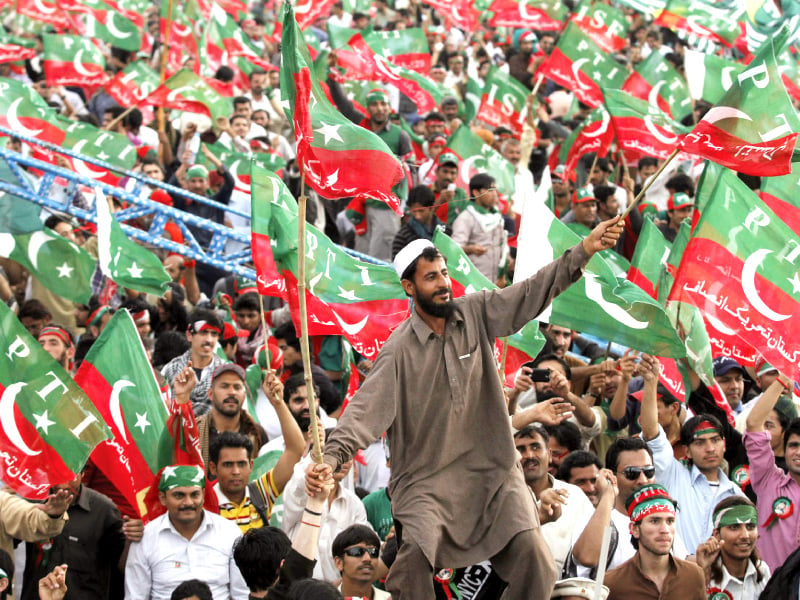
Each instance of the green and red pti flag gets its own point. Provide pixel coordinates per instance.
(407, 48)
(308, 11)
(72, 60)
(269, 278)
(739, 268)
(181, 40)
(475, 156)
(594, 135)
(700, 20)
(709, 76)
(133, 84)
(780, 194)
(641, 128)
(224, 38)
(105, 21)
(23, 110)
(463, 13)
(648, 7)
(331, 150)
(605, 24)
(753, 128)
(503, 101)
(117, 376)
(238, 163)
(48, 427)
(44, 11)
(656, 81)
(87, 140)
(540, 15)
(650, 256)
(580, 65)
(362, 301)
(189, 92)
(13, 48)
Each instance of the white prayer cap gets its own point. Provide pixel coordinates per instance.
(578, 587)
(409, 254)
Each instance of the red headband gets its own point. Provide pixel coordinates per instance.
(58, 332)
(199, 326)
(97, 315)
(138, 316)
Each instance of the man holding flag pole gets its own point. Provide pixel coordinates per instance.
(458, 495)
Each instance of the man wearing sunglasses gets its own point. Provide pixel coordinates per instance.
(355, 553)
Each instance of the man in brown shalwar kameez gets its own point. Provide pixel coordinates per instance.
(458, 494)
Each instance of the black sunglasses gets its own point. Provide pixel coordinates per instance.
(359, 551)
(632, 473)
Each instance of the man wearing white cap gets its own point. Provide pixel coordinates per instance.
(458, 495)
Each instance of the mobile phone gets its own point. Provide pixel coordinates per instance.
(540, 375)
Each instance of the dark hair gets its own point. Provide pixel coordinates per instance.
(235, 117)
(783, 418)
(293, 383)
(577, 460)
(229, 439)
(420, 194)
(687, 431)
(531, 430)
(434, 116)
(203, 314)
(666, 396)
(355, 534)
(69, 333)
(259, 553)
(314, 589)
(7, 564)
(566, 434)
(256, 72)
(34, 309)
(647, 161)
(133, 119)
(681, 183)
(603, 192)
(624, 444)
(137, 304)
(430, 254)
(192, 587)
(755, 557)
(225, 74)
(792, 429)
(553, 358)
(247, 301)
(169, 344)
(481, 181)
(153, 161)
(53, 220)
(241, 100)
(287, 333)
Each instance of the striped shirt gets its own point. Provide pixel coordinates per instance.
(245, 514)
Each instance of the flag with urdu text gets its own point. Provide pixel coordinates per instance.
(739, 268)
(13, 48)
(540, 15)
(362, 301)
(331, 150)
(121, 259)
(753, 129)
(48, 426)
(599, 303)
(117, 376)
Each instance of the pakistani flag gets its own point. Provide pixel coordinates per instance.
(599, 303)
(739, 269)
(753, 128)
(48, 427)
(117, 376)
(73, 60)
(362, 301)
(503, 101)
(121, 259)
(87, 140)
(189, 92)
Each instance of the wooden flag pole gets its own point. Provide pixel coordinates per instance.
(649, 183)
(264, 329)
(316, 448)
(502, 371)
(121, 116)
(164, 57)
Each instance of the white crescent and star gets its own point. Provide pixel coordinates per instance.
(14, 123)
(577, 74)
(35, 243)
(658, 133)
(80, 167)
(78, 65)
(602, 128)
(594, 291)
(351, 328)
(115, 407)
(718, 113)
(142, 423)
(9, 423)
(43, 422)
(113, 30)
(749, 270)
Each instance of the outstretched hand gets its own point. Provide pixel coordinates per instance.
(604, 236)
(53, 586)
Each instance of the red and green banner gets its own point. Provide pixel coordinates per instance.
(656, 81)
(700, 20)
(88, 140)
(594, 135)
(238, 164)
(503, 101)
(182, 42)
(105, 21)
(331, 149)
(362, 301)
(406, 48)
(13, 48)
(223, 38)
(540, 15)
(44, 11)
(23, 110)
(580, 65)
(648, 7)
(475, 156)
(641, 128)
(72, 60)
(117, 376)
(308, 11)
(133, 84)
(189, 92)
(48, 427)
(708, 76)
(739, 268)
(754, 127)
(650, 256)
(605, 24)
(462, 13)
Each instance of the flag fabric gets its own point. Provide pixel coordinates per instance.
(331, 149)
(475, 156)
(117, 376)
(121, 259)
(105, 21)
(72, 60)
(503, 101)
(580, 65)
(44, 11)
(406, 48)
(17, 215)
(656, 81)
(605, 24)
(739, 268)
(651, 253)
(181, 41)
(708, 76)
(48, 427)
(753, 129)
(362, 301)
(308, 11)
(700, 20)
(594, 135)
(648, 7)
(599, 303)
(540, 15)
(641, 128)
(779, 193)
(238, 164)
(463, 13)
(13, 48)
(87, 140)
(223, 38)
(133, 84)
(60, 265)
(187, 91)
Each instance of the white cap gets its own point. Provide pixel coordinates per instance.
(579, 587)
(409, 254)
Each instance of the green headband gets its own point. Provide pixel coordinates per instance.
(196, 171)
(704, 427)
(377, 95)
(181, 476)
(658, 504)
(734, 515)
(3, 574)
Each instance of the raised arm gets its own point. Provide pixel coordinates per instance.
(649, 368)
(292, 436)
(765, 404)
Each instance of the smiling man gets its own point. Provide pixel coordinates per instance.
(355, 553)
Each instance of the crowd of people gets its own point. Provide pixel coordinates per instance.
(439, 479)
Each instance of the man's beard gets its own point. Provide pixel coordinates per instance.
(303, 420)
(440, 310)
